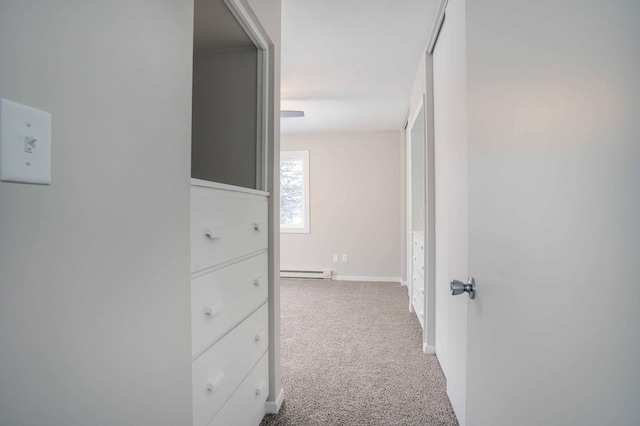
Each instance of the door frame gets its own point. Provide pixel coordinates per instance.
(248, 23)
(413, 116)
(267, 179)
(430, 196)
(456, 393)
(428, 335)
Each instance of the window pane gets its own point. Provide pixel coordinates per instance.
(292, 192)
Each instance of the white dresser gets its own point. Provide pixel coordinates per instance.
(229, 312)
(418, 283)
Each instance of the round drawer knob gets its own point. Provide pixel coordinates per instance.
(213, 309)
(261, 388)
(215, 381)
(212, 233)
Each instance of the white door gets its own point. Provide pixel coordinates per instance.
(538, 194)
(450, 152)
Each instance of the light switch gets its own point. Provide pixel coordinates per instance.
(25, 144)
(345, 258)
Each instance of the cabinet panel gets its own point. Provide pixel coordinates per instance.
(218, 371)
(417, 297)
(418, 252)
(225, 225)
(418, 274)
(246, 406)
(223, 298)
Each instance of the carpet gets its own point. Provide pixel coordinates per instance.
(352, 355)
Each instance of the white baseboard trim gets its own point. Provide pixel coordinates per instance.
(428, 349)
(357, 278)
(273, 407)
(404, 283)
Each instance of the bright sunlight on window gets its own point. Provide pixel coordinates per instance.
(294, 192)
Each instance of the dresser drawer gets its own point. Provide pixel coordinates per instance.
(417, 298)
(225, 225)
(218, 371)
(418, 241)
(418, 252)
(246, 407)
(418, 302)
(418, 278)
(420, 315)
(223, 298)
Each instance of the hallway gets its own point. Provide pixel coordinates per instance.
(351, 355)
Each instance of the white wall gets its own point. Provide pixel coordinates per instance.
(355, 204)
(554, 237)
(94, 269)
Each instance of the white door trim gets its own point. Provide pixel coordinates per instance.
(436, 26)
(430, 213)
(448, 73)
(413, 116)
(267, 163)
(258, 36)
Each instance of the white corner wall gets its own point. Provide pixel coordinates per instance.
(94, 269)
(355, 205)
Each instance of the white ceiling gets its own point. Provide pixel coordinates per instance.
(350, 64)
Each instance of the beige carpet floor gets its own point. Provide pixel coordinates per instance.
(352, 355)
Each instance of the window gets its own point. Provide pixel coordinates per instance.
(294, 192)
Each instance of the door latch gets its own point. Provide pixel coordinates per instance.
(458, 287)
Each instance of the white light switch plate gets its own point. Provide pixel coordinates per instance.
(25, 144)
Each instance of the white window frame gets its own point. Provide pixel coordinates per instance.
(305, 185)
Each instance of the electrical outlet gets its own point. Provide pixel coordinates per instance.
(345, 258)
(335, 257)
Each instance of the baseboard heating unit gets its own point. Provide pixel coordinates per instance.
(305, 274)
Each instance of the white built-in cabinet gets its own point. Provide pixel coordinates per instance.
(418, 288)
(229, 217)
(229, 310)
